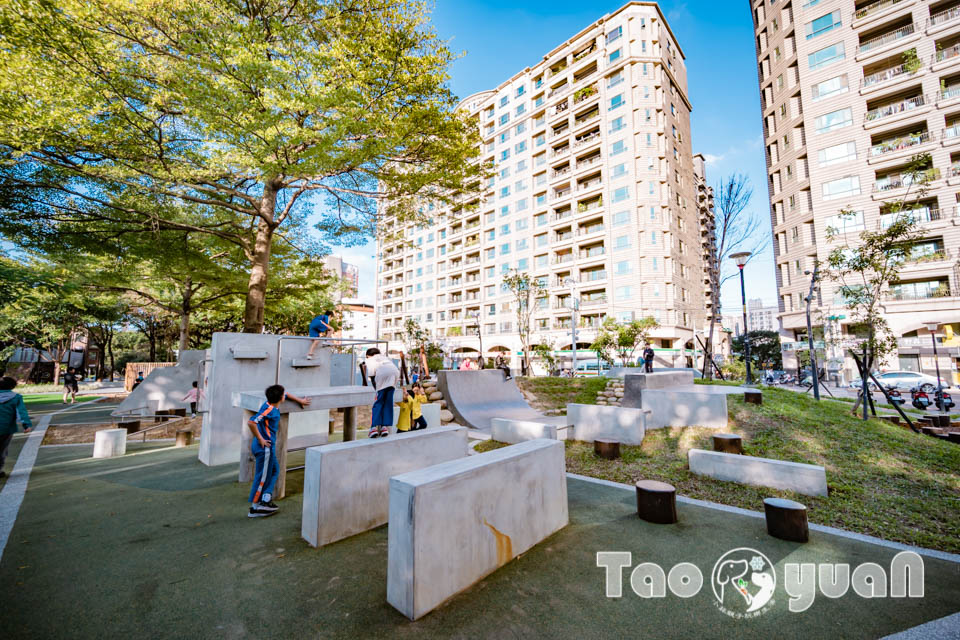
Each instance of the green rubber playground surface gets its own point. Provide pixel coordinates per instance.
(154, 544)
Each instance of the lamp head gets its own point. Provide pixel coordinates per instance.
(931, 326)
(740, 258)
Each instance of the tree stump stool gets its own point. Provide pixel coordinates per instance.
(184, 438)
(727, 443)
(161, 415)
(656, 502)
(333, 424)
(891, 419)
(942, 420)
(786, 519)
(930, 431)
(605, 448)
(954, 436)
(182, 413)
(132, 426)
(927, 419)
(753, 397)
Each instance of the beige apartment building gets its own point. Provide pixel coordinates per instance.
(595, 193)
(850, 91)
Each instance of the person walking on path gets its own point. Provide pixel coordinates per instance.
(70, 386)
(648, 359)
(384, 375)
(11, 408)
(265, 426)
(319, 328)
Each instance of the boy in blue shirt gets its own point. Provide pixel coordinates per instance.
(265, 426)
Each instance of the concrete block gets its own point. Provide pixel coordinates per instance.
(431, 413)
(514, 431)
(454, 523)
(655, 380)
(108, 443)
(682, 408)
(346, 485)
(808, 479)
(589, 421)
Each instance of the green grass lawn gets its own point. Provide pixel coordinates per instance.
(557, 393)
(31, 399)
(884, 480)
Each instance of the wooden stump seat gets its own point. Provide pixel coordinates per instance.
(786, 519)
(184, 438)
(606, 448)
(132, 426)
(727, 443)
(753, 397)
(656, 502)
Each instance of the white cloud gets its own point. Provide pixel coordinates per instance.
(713, 159)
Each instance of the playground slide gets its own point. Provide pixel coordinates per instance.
(476, 397)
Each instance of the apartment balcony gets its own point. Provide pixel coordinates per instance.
(593, 276)
(583, 141)
(921, 215)
(945, 57)
(593, 302)
(926, 291)
(897, 146)
(564, 259)
(560, 194)
(556, 133)
(951, 135)
(890, 112)
(593, 252)
(948, 96)
(556, 153)
(560, 108)
(591, 205)
(585, 93)
(559, 173)
(929, 259)
(586, 231)
(592, 116)
(885, 78)
(941, 20)
(557, 217)
(592, 162)
(901, 181)
(874, 9)
(589, 184)
(887, 40)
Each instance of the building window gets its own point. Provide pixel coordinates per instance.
(846, 222)
(520, 147)
(616, 101)
(838, 153)
(614, 35)
(520, 91)
(623, 268)
(823, 24)
(615, 79)
(521, 108)
(504, 210)
(841, 188)
(624, 293)
(621, 242)
(613, 56)
(621, 218)
(835, 120)
(825, 56)
(505, 118)
(618, 147)
(833, 86)
(505, 248)
(621, 194)
(616, 124)
(620, 170)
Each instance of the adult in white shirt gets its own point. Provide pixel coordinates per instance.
(384, 375)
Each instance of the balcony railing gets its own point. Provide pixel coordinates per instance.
(923, 214)
(937, 255)
(583, 207)
(583, 231)
(589, 184)
(563, 259)
(889, 183)
(559, 194)
(951, 132)
(898, 144)
(885, 75)
(946, 54)
(941, 291)
(559, 152)
(950, 92)
(893, 109)
(944, 16)
(560, 108)
(556, 133)
(587, 139)
(583, 164)
(585, 94)
(887, 38)
(863, 12)
(556, 173)
(593, 302)
(594, 252)
(593, 276)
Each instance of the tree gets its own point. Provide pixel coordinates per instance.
(623, 339)
(865, 268)
(234, 113)
(525, 289)
(764, 349)
(736, 229)
(544, 351)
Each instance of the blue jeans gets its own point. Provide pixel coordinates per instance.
(265, 474)
(382, 412)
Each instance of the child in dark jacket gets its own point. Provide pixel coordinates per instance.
(11, 408)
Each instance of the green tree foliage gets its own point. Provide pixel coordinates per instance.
(233, 114)
(764, 349)
(622, 339)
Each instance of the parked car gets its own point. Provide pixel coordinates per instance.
(591, 368)
(906, 380)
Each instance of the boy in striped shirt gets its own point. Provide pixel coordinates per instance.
(265, 426)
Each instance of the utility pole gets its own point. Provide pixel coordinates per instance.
(574, 307)
(813, 351)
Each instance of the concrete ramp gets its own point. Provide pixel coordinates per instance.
(477, 397)
(165, 387)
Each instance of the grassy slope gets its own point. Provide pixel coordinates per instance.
(557, 393)
(884, 480)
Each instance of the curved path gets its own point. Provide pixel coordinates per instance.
(476, 397)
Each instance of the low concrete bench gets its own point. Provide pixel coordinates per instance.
(807, 479)
(455, 523)
(591, 421)
(346, 484)
(109, 443)
(514, 431)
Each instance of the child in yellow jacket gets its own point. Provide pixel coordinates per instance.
(417, 398)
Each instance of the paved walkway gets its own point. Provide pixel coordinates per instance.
(162, 547)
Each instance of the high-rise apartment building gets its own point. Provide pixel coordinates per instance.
(762, 317)
(850, 91)
(594, 193)
(349, 273)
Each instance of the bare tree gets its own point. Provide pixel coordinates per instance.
(737, 228)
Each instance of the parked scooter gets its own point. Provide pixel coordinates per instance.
(920, 399)
(895, 396)
(948, 402)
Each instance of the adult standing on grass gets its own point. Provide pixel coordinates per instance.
(319, 328)
(11, 407)
(70, 386)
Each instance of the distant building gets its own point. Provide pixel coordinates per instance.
(349, 273)
(762, 318)
(358, 321)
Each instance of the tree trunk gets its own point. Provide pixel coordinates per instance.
(110, 349)
(185, 315)
(260, 262)
(708, 351)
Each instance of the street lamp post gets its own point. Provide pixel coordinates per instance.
(813, 353)
(932, 328)
(741, 260)
(574, 307)
(476, 317)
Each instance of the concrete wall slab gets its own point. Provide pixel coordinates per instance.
(808, 479)
(589, 421)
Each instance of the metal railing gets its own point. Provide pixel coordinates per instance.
(950, 92)
(898, 144)
(894, 108)
(946, 54)
(885, 75)
(941, 291)
(887, 38)
(944, 16)
(863, 12)
(900, 180)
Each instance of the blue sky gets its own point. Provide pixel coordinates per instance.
(499, 38)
